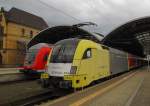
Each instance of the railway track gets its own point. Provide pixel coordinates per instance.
(15, 78)
(31, 100)
(37, 95)
(11, 92)
(37, 99)
(26, 93)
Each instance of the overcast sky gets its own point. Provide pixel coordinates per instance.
(108, 14)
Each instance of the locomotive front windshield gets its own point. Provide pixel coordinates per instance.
(30, 56)
(32, 52)
(63, 51)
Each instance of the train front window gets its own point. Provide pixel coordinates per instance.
(63, 52)
(30, 56)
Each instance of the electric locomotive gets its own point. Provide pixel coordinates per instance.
(75, 63)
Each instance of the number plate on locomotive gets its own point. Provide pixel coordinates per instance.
(44, 75)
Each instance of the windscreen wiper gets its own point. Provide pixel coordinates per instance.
(61, 49)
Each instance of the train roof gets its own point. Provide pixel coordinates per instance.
(40, 45)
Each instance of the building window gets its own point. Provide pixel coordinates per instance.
(0, 17)
(1, 43)
(31, 34)
(23, 31)
(1, 37)
(21, 45)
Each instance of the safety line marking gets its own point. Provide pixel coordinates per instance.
(87, 98)
(128, 103)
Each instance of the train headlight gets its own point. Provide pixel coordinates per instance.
(46, 68)
(73, 70)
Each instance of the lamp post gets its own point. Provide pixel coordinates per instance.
(148, 59)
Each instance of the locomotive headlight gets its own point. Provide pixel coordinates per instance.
(73, 70)
(46, 68)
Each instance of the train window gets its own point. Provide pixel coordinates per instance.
(64, 50)
(45, 57)
(87, 54)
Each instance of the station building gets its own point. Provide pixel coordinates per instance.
(17, 27)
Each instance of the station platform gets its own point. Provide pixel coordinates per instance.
(129, 89)
(9, 71)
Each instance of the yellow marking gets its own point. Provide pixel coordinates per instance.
(44, 76)
(85, 99)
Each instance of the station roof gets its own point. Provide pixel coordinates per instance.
(133, 37)
(54, 34)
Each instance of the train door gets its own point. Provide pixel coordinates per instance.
(100, 64)
(87, 65)
(96, 64)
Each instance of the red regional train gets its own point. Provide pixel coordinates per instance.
(36, 59)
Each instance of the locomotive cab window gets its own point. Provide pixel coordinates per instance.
(64, 50)
(45, 57)
(87, 54)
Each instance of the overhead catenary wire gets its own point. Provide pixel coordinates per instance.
(66, 14)
(90, 4)
(60, 11)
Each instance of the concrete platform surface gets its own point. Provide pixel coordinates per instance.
(130, 89)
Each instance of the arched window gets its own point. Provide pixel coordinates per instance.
(31, 34)
(23, 31)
